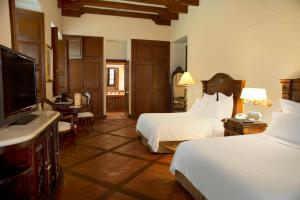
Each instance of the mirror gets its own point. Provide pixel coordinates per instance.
(178, 100)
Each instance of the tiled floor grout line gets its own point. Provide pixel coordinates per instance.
(123, 183)
(120, 187)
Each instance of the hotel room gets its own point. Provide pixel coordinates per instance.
(150, 99)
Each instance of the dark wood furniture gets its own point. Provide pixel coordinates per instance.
(115, 103)
(150, 77)
(239, 127)
(31, 169)
(291, 89)
(79, 67)
(28, 37)
(227, 85)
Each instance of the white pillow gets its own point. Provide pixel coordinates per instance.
(200, 104)
(288, 106)
(285, 126)
(219, 109)
(222, 96)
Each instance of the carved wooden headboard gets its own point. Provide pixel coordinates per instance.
(291, 89)
(227, 85)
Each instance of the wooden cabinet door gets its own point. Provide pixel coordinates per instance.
(40, 172)
(29, 39)
(150, 76)
(60, 63)
(93, 72)
(75, 70)
(93, 48)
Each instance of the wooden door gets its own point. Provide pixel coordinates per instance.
(150, 76)
(60, 63)
(29, 39)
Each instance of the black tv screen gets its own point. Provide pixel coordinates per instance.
(18, 82)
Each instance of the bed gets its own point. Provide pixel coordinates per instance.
(162, 132)
(250, 167)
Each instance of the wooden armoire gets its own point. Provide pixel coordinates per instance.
(150, 74)
(78, 67)
(28, 37)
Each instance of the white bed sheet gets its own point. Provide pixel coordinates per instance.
(253, 167)
(159, 127)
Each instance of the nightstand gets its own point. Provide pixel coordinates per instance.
(239, 127)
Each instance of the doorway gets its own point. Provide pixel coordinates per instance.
(117, 88)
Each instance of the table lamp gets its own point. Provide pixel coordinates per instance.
(258, 96)
(186, 80)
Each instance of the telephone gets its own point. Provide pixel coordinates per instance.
(240, 116)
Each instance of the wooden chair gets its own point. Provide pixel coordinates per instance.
(86, 119)
(66, 125)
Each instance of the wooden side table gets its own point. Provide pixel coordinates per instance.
(239, 127)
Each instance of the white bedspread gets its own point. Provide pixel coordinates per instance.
(158, 127)
(253, 167)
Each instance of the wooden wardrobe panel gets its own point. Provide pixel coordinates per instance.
(143, 52)
(93, 47)
(28, 25)
(161, 52)
(143, 74)
(38, 78)
(92, 74)
(159, 74)
(143, 102)
(96, 102)
(75, 75)
(29, 39)
(159, 101)
(150, 76)
(31, 49)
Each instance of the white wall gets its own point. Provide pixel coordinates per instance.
(255, 40)
(118, 29)
(115, 49)
(5, 36)
(177, 56)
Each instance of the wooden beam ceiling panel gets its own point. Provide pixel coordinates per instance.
(75, 13)
(163, 12)
(160, 11)
(170, 4)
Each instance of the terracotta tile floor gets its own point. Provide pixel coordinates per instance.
(111, 163)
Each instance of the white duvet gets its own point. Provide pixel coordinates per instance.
(253, 167)
(159, 127)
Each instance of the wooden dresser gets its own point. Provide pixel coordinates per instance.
(115, 103)
(29, 159)
(238, 127)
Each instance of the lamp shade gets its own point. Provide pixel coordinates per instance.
(254, 94)
(186, 79)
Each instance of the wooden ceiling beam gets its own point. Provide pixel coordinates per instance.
(171, 5)
(163, 12)
(189, 2)
(77, 13)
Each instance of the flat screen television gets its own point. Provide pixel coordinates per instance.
(17, 85)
